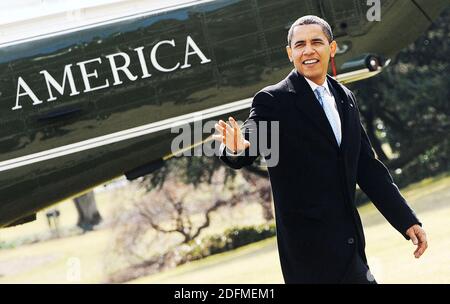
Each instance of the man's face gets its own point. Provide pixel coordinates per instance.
(310, 52)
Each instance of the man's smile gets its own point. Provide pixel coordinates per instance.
(310, 62)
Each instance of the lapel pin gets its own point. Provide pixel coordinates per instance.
(351, 105)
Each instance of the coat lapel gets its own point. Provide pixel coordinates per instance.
(306, 102)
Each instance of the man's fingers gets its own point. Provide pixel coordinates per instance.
(222, 124)
(218, 137)
(233, 123)
(420, 249)
(422, 236)
(413, 238)
(221, 136)
(227, 127)
(225, 130)
(423, 244)
(235, 127)
(411, 232)
(231, 133)
(219, 128)
(419, 238)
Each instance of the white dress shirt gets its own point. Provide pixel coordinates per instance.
(329, 98)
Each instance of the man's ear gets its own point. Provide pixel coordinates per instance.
(333, 47)
(289, 53)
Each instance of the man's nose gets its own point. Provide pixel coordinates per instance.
(308, 49)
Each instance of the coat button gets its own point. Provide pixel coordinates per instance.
(350, 241)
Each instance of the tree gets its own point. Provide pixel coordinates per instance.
(88, 214)
(173, 208)
(152, 234)
(407, 106)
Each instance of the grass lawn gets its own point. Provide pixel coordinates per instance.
(390, 256)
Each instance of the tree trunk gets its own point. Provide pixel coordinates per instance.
(88, 215)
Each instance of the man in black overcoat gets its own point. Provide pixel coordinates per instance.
(322, 152)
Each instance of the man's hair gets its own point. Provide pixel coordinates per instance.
(311, 19)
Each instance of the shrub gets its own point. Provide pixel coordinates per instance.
(231, 239)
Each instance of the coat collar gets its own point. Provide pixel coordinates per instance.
(296, 84)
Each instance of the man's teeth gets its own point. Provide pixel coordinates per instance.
(310, 61)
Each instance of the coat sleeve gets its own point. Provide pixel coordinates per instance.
(263, 111)
(375, 180)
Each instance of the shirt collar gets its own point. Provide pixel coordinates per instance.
(314, 86)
